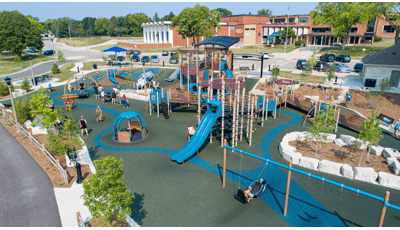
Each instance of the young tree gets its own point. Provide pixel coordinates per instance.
(370, 132)
(275, 73)
(342, 16)
(55, 69)
(105, 193)
(265, 12)
(390, 12)
(290, 33)
(61, 57)
(25, 85)
(23, 109)
(224, 12)
(323, 123)
(112, 27)
(156, 18)
(196, 22)
(130, 80)
(17, 60)
(176, 55)
(39, 108)
(4, 91)
(40, 54)
(310, 63)
(374, 96)
(104, 59)
(331, 72)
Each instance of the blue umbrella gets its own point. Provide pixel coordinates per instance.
(115, 49)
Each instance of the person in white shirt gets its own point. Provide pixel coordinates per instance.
(190, 132)
(102, 95)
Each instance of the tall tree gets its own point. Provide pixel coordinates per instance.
(265, 12)
(134, 22)
(88, 25)
(224, 12)
(289, 31)
(156, 18)
(101, 25)
(112, 28)
(196, 22)
(390, 12)
(341, 16)
(17, 32)
(168, 17)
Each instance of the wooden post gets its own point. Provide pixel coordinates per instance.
(180, 73)
(57, 164)
(266, 110)
(198, 105)
(248, 115)
(337, 120)
(233, 125)
(251, 122)
(263, 110)
(288, 187)
(230, 100)
(383, 210)
(43, 150)
(241, 122)
(286, 95)
(237, 122)
(224, 166)
(223, 141)
(158, 105)
(276, 104)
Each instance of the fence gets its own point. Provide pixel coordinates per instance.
(79, 219)
(290, 168)
(49, 156)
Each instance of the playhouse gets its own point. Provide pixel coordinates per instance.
(133, 130)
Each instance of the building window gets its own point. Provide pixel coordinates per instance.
(253, 29)
(232, 27)
(291, 20)
(353, 30)
(303, 19)
(388, 29)
(166, 36)
(154, 36)
(321, 30)
(162, 36)
(247, 29)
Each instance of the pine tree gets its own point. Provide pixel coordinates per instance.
(55, 69)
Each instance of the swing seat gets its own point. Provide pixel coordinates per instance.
(242, 195)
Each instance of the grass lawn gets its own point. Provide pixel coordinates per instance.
(298, 77)
(89, 65)
(263, 48)
(79, 42)
(356, 52)
(65, 73)
(7, 64)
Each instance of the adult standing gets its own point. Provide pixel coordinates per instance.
(124, 101)
(348, 98)
(102, 95)
(96, 91)
(113, 96)
(396, 127)
(83, 126)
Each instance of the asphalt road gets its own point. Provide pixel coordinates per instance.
(26, 193)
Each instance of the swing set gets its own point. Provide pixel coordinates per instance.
(384, 200)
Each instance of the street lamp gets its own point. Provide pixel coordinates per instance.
(363, 51)
(8, 81)
(54, 52)
(33, 79)
(144, 77)
(259, 34)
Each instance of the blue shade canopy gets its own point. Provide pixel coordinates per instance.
(273, 35)
(115, 49)
(129, 114)
(225, 41)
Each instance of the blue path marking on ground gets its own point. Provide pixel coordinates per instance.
(303, 209)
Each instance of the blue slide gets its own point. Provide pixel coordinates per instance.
(214, 111)
(111, 76)
(227, 70)
(174, 75)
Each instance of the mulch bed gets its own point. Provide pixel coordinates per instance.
(95, 223)
(344, 155)
(8, 96)
(54, 175)
(309, 91)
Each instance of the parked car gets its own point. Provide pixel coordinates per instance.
(358, 67)
(145, 59)
(301, 64)
(135, 58)
(137, 52)
(130, 52)
(327, 57)
(32, 50)
(336, 44)
(343, 58)
(173, 61)
(109, 57)
(265, 54)
(48, 52)
(120, 58)
(322, 66)
(154, 58)
(172, 53)
(342, 68)
(164, 53)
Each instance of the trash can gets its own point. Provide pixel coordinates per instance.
(94, 66)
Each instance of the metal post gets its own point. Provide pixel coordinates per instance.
(266, 110)
(237, 122)
(14, 109)
(288, 187)
(251, 121)
(276, 105)
(287, 28)
(337, 120)
(248, 116)
(241, 121)
(263, 110)
(383, 210)
(223, 114)
(158, 105)
(33, 79)
(180, 72)
(224, 166)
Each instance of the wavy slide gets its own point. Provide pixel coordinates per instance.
(174, 75)
(111, 76)
(201, 134)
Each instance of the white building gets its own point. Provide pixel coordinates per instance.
(153, 31)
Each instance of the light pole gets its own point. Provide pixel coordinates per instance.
(87, 50)
(33, 80)
(287, 28)
(54, 53)
(259, 34)
(144, 77)
(8, 81)
(363, 51)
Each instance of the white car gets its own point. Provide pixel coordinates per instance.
(265, 55)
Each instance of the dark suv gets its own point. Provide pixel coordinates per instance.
(327, 57)
(137, 52)
(135, 58)
(343, 58)
(358, 67)
(301, 64)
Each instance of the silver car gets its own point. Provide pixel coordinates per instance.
(154, 58)
(342, 68)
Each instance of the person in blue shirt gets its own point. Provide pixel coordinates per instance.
(348, 98)
(396, 126)
(50, 88)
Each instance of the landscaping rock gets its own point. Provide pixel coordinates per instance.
(390, 180)
(38, 130)
(331, 137)
(360, 144)
(340, 142)
(286, 147)
(69, 162)
(391, 161)
(329, 167)
(294, 156)
(396, 168)
(365, 174)
(347, 171)
(377, 150)
(348, 139)
(389, 153)
(28, 124)
(310, 163)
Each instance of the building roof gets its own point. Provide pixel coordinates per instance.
(225, 41)
(388, 56)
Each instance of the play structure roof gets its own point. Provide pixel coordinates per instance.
(114, 49)
(128, 114)
(224, 41)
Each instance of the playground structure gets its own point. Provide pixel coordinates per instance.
(384, 200)
(81, 92)
(135, 130)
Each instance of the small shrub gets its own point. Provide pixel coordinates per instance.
(55, 69)
(335, 89)
(54, 169)
(40, 54)
(23, 109)
(301, 84)
(17, 59)
(4, 91)
(61, 184)
(25, 85)
(386, 170)
(61, 57)
(298, 42)
(313, 87)
(378, 39)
